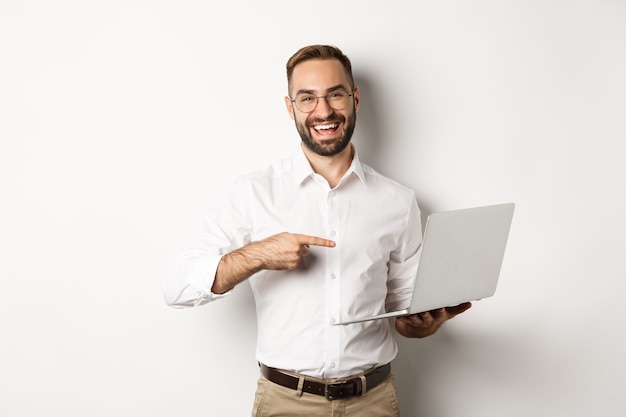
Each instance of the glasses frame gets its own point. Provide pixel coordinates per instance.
(317, 100)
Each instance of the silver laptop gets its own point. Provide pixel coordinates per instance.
(462, 253)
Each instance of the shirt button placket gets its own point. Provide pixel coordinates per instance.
(333, 280)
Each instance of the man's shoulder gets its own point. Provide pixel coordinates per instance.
(377, 179)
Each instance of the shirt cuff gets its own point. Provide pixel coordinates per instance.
(202, 277)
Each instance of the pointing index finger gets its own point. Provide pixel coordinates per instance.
(315, 241)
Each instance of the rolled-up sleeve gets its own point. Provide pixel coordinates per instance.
(190, 280)
(226, 228)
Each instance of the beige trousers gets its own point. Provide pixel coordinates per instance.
(273, 400)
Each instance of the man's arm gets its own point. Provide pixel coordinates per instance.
(279, 252)
(425, 324)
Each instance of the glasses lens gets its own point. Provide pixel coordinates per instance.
(306, 102)
(337, 99)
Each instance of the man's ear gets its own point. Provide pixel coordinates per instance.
(357, 98)
(289, 106)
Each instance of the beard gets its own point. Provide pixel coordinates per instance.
(336, 146)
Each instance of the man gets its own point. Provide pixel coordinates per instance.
(321, 237)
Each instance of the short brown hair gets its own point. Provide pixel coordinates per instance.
(319, 52)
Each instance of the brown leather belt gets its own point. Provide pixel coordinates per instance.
(332, 391)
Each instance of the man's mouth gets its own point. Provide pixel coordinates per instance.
(324, 129)
(329, 126)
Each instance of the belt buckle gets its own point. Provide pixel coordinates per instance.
(339, 385)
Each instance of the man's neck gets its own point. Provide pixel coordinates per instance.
(332, 168)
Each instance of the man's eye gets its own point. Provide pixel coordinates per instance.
(306, 99)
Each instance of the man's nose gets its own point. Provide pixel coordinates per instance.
(323, 107)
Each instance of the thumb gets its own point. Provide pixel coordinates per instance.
(305, 250)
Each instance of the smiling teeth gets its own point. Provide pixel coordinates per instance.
(325, 127)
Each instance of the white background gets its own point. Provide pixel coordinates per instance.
(120, 122)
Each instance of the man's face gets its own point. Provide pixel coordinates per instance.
(325, 131)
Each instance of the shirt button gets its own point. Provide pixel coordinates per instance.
(332, 321)
(331, 194)
(333, 233)
(332, 365)
(333, 276)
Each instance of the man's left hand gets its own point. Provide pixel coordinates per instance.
(427, 323)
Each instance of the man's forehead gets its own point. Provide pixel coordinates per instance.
(319, 75)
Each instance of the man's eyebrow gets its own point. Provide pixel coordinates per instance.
(328, 90)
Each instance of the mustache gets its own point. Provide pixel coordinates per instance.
(331, 118)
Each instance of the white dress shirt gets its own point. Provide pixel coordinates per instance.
(375, 223)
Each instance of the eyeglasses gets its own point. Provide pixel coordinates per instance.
(307, 102)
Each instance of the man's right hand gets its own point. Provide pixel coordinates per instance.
(285, 250)
(278, 252)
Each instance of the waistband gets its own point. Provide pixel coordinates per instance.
(350, 387)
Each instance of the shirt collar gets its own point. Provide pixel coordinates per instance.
(302, 167)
